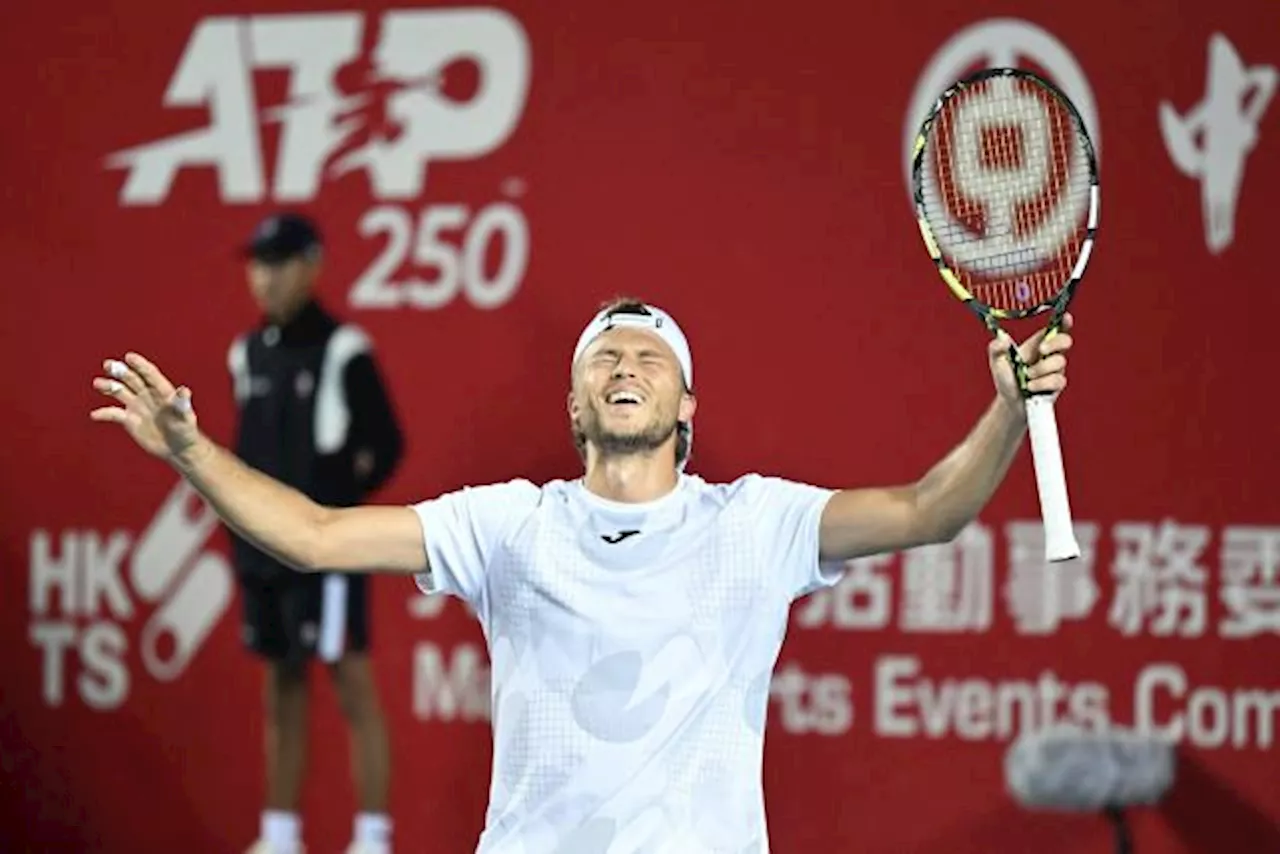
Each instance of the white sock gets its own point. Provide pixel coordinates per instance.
(282, 830)
(374, 829)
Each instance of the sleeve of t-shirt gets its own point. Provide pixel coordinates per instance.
(462, 530)
(790, 514)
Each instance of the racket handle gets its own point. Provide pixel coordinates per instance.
(1051, 480)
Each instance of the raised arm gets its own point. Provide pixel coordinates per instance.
(934, 509)
(274, 517)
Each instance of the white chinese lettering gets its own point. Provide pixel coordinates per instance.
(1250, 581)
(860, 600)
(1158, 576)
(947, 587)
(1041, 595)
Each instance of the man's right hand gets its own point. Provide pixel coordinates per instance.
(157, 416)
(275, 518)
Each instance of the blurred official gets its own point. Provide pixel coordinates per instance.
(313, 413)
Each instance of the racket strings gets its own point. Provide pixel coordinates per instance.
(1006, 192)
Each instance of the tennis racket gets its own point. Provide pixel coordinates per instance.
(1005, 184)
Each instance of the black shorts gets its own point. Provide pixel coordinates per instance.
(293, 616)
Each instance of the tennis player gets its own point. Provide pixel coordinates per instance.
(634, 614)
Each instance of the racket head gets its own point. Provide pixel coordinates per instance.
(1005, 187)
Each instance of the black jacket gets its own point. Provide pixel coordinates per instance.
(313, 413)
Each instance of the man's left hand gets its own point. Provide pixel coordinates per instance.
(1046, 360)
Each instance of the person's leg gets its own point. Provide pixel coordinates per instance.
(268, 632)
(370, 752)
(347, 600)
(285, 742)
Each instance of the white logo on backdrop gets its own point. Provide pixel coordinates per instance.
(1212, 139)
(80, 602)
(999, 43)
(359, 100)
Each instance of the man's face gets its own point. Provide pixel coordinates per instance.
(280, 288)
(628, 392)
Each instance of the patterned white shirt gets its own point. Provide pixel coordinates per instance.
(632, 648)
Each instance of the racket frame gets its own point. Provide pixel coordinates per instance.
(1055, 507)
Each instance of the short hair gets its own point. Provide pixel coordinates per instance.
(635, 305)
(624, 305)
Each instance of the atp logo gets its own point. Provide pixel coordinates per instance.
(385, 97)
(400, 117)
(80, 602)
(1214, 137)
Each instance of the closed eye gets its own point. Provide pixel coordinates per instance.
(653, 357)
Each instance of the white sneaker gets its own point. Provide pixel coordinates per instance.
(262, 846)
(368, 848)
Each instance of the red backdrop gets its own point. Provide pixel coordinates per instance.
(743, 166)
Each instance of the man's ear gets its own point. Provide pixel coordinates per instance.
(688, 404)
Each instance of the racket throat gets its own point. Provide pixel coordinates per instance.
(1016, 363)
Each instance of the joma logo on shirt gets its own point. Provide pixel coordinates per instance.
(618, 537)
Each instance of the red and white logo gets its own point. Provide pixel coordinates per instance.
(80, 586)
(1010, 238)
(999, 43)
(386, 97)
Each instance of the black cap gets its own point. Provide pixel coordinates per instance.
(282, 236)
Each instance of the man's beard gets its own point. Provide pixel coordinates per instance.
(608, 443)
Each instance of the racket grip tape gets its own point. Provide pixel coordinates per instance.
(1051, 480)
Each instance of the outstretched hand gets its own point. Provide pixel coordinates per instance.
(156, 415)
(1045, 357)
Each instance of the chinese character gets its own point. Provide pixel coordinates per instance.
(1040, 595)
(1250, 581)
(1158, 575)
(859, 601)
(1213, 138)
(946, 587)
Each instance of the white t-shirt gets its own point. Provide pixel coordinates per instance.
(632, 647)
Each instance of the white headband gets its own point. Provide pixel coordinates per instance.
(656, 321)
(659, 323)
